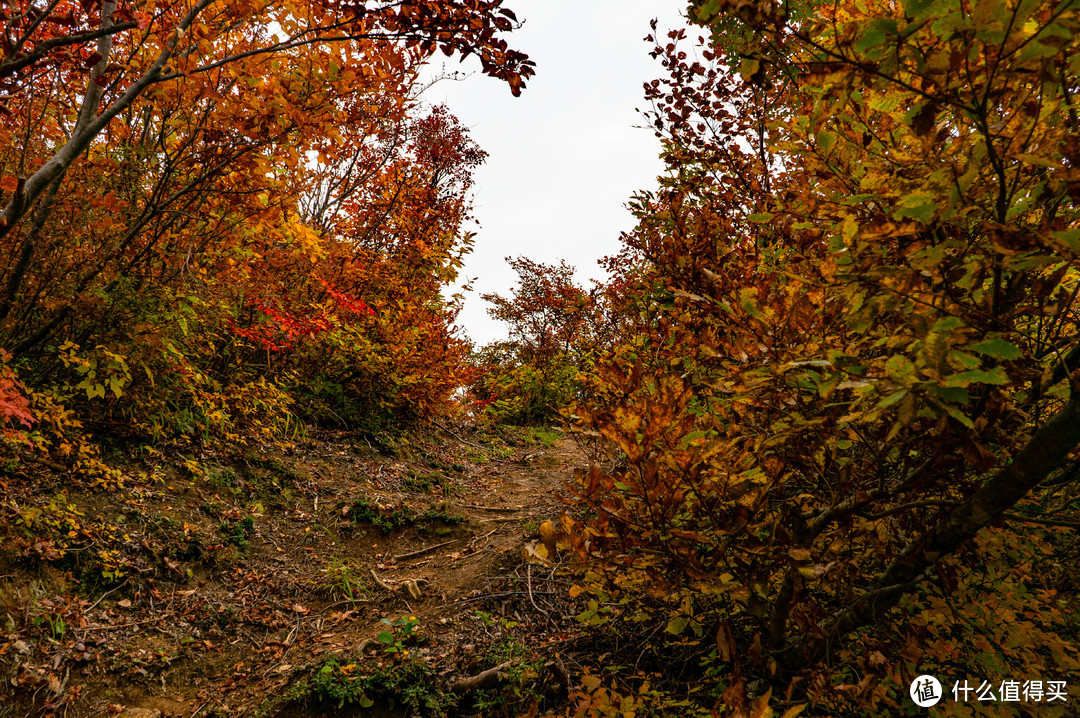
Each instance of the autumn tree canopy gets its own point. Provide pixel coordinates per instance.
(216, 215)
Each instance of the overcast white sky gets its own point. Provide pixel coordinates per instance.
(565, 157)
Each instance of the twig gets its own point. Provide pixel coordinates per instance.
(421, 552)
(463, 441)
(480, 680)
(126, 625)
(486, 596)
(346, 602)
(507, 509)
(500, 521)
(199, 709)
(528, 585)
(380, 583)
(104, 595)
(1036, 520)
(480, 538)
(43, 462)
(293, 635)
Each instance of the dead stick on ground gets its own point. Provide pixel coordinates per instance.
(480, 538)
(528, 585)
(380, 583)
(463, 441)
(199, 709)
(43, 462)
(502, 594)
(421, 552)
(104, 595)
(480, 680)
(507, 509)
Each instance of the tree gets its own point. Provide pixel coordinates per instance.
(857, 402)
(553, 335)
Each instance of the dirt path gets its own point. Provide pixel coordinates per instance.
(303, 560)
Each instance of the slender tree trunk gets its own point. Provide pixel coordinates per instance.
(1045, 452)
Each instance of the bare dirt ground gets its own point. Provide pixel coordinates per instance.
(340, 575)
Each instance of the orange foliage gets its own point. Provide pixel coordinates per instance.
(209, 225)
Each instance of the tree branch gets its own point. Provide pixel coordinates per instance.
(1045, 452)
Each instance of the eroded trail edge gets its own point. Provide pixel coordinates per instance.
(382, 578)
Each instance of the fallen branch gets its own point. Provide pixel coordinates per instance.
(528, 585)
(421, 552)
(43, 462)
(102, 598)
(380, 583)
(463, 441)
(501, 595)
(508, 509)
(480, 680)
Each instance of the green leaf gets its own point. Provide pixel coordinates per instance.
(857, 199)
(885, 102)
(746, 299)
(876, 33)
(958, 415)
(900, 368)
(995, 375)
(917, 8)
(917, 206)
(946, 324)
(385, 637)
(760, 217)
(892, 399)
(1069, 237)
(964, 361)
(826, 140)
(998, 348)
(748, 68)
(677, 625)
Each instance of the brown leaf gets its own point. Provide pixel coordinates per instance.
(924, 119)
(799, 554)
(725, 642)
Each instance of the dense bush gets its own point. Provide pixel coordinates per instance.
(843, 435)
